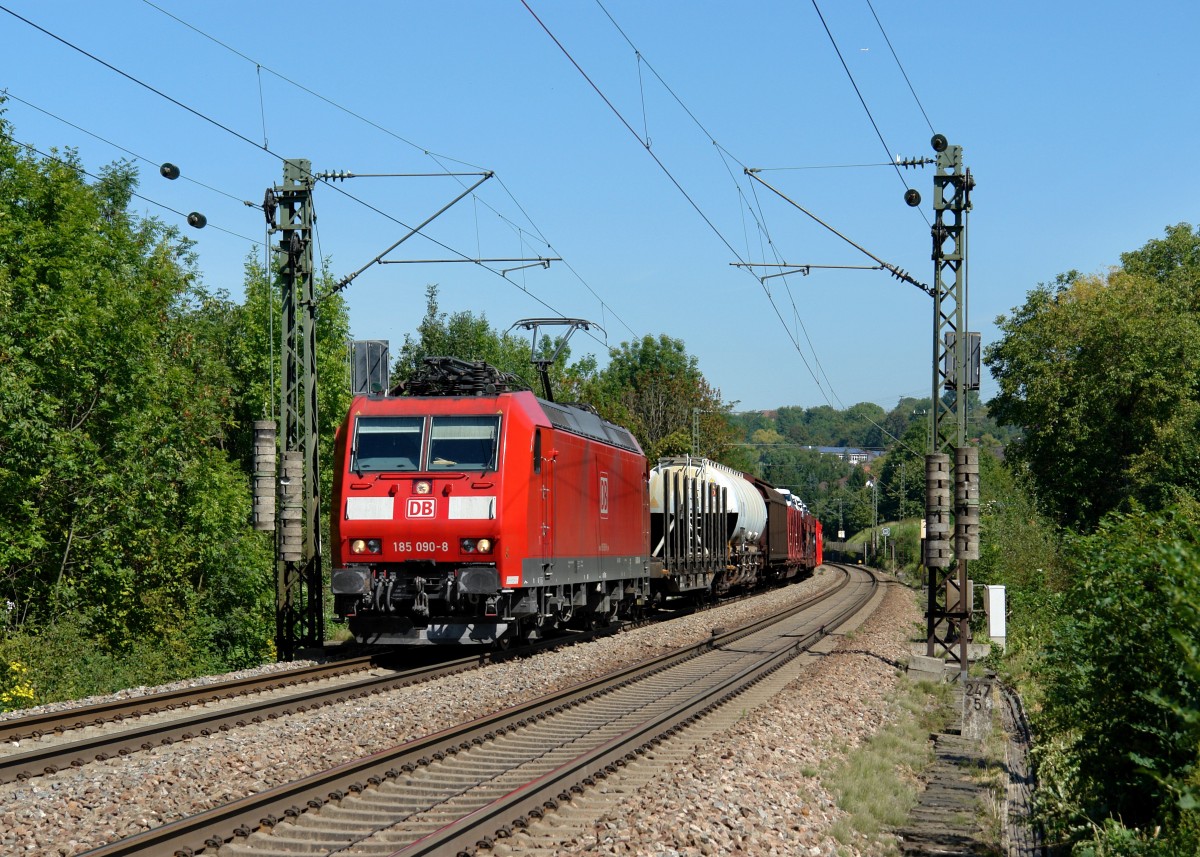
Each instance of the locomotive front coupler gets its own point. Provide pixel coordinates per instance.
(421, 601)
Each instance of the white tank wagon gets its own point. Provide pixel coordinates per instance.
(706, 525)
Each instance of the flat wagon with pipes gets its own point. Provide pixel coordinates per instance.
(714, 529)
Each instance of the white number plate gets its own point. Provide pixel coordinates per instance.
(420, 547)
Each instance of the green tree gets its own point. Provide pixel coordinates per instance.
(864, 427)
(1019, 549)
(253, 352)
(1173, 260)
(467, 337)
(901, 418)
(765, 437)
(819, 426)
(749, 422)
(861, 425)
(806, 472)
(1103, 375)
(653, 386)
(902, 475)
(852, 507)
(650, 386)
(120, 510)
(1019, 546)
(789, 422)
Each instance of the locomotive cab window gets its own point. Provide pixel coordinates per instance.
(463, 443)
(386, 443)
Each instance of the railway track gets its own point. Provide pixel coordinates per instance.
(48, 742)
(576, 820)
(101, 713)
(448, 792)
(155, 725)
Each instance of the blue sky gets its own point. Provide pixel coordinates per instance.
(1077, 119)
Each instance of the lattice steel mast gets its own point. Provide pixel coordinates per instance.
(299, 613)
(955, 373)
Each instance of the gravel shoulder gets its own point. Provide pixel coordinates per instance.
(756, 789)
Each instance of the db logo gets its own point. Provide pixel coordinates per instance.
(603, 495)
(421, 507)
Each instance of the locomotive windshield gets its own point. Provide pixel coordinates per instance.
(387, 443)
(463, 443)
(396, 443)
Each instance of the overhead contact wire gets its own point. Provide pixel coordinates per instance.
(765, 233)
(858, 92)
(758, 218)
(217, 124)
(262, 105)
(668, 173)
(666, 85)
(311, 92)
(140, 83)
(246, 139)
(722, 151)
(435, 156)
(630, 129)
(132, 154)
(90, 175)
(900, 66)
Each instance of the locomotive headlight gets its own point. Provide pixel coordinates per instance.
(360, 546)
(475, 545)
(422, 486)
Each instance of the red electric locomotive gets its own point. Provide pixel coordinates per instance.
(470, 511)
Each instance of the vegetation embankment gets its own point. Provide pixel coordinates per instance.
(126, 396)
(1092, 524)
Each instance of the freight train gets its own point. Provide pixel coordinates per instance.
(467, 509)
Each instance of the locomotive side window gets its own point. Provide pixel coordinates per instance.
(463, 443)
(386, 443)
(537, 451)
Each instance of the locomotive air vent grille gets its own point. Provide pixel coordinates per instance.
(587, 424)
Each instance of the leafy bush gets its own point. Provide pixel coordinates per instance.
(65, 660)
(1113, 839)
(1122, 688)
